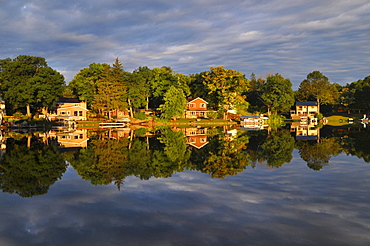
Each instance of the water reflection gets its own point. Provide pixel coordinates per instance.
(32, 162)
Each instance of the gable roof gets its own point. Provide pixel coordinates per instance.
(193, 99)
(308, 103)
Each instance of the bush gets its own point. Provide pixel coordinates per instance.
(140, 116)
(319, 116)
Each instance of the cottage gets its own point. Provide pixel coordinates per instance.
(196, 108)
(304, 110)
(70, 109)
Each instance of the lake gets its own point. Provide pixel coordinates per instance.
(186, 186)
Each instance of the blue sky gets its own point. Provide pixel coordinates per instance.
(290, 37)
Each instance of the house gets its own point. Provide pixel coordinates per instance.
(70, 109)
(196, 108)
(196, 137)
(304, 110)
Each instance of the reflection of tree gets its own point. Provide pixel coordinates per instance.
(278, 148)
(30, 171)
(228, 158)
(175, 146)
(357, 143)
(318, 154)
(102, 162)
(109, 160)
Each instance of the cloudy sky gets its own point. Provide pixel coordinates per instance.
(290, 37)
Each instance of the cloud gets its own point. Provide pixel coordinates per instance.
(290, 37)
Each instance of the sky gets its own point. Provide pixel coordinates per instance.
(289, 37)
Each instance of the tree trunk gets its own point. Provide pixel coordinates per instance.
(147, 104)
(28, 111)
(129, 104)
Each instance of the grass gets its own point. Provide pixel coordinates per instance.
(340, 119)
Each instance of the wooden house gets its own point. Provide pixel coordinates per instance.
(196, 108)
(304, 110)
(70, 109)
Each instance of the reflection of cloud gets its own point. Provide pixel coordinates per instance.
(286, 205)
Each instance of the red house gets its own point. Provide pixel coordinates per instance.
(196, 108)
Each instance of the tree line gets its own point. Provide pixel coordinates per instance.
(28, 84)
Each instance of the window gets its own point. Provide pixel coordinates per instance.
(203, 105)
(80, 113)
(75, 113)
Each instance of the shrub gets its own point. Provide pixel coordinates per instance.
(140, 116)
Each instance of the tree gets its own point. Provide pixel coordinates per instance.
(317, 87)
(139, 88)
(174, 103)
(28, 81)
(228, 86)
(163, 79)
(362, 98)
(85, 83)
(277, 94)
(111, 90)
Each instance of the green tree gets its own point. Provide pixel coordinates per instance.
(174, 103)
(28, 81)
(317, 87)
(362, 94)
(139, 88)
(163, 79)
(111, 90)
(85, 83)
(228, 86)
(277, 94)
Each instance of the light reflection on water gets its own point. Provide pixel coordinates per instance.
(281, 204)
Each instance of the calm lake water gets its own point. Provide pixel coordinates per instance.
(194, 186)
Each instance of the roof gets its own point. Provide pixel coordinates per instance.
(193, 99)
(68, 100)
(308, 103)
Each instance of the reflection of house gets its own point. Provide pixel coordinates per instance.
(253, 122)
(2, 110)
(196, 137)
(196, 108)
(305, 132)
(70, 109)
(77, 138)
(304, 109)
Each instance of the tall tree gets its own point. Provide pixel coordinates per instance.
(139, 87)
(362, 94)
(174, 103)
(85, 83)
(164, 78)
(111, 90)
(277, 94)
(28, 81)
(317, 87)
(228, 86)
